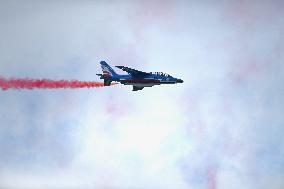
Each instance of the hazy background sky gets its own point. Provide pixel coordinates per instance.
(223, 128)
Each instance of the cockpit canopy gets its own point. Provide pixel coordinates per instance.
(161, 74)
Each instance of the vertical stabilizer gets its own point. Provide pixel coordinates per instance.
(107, 70)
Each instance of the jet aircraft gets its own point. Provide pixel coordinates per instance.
(137, 79)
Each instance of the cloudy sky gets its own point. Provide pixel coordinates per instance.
(223, 128)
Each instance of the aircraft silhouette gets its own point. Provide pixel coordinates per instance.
(137, 79)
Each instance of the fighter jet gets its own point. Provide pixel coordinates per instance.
(137, 79)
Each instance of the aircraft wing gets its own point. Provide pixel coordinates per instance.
(133, 72)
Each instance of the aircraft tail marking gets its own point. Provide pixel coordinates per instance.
(107, 70)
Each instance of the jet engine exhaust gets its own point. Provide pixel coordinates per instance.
(28, 83)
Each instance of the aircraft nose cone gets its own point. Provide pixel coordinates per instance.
(180, 81)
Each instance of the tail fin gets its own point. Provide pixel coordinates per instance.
(107, 70)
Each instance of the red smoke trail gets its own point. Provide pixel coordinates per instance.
(6, 84)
